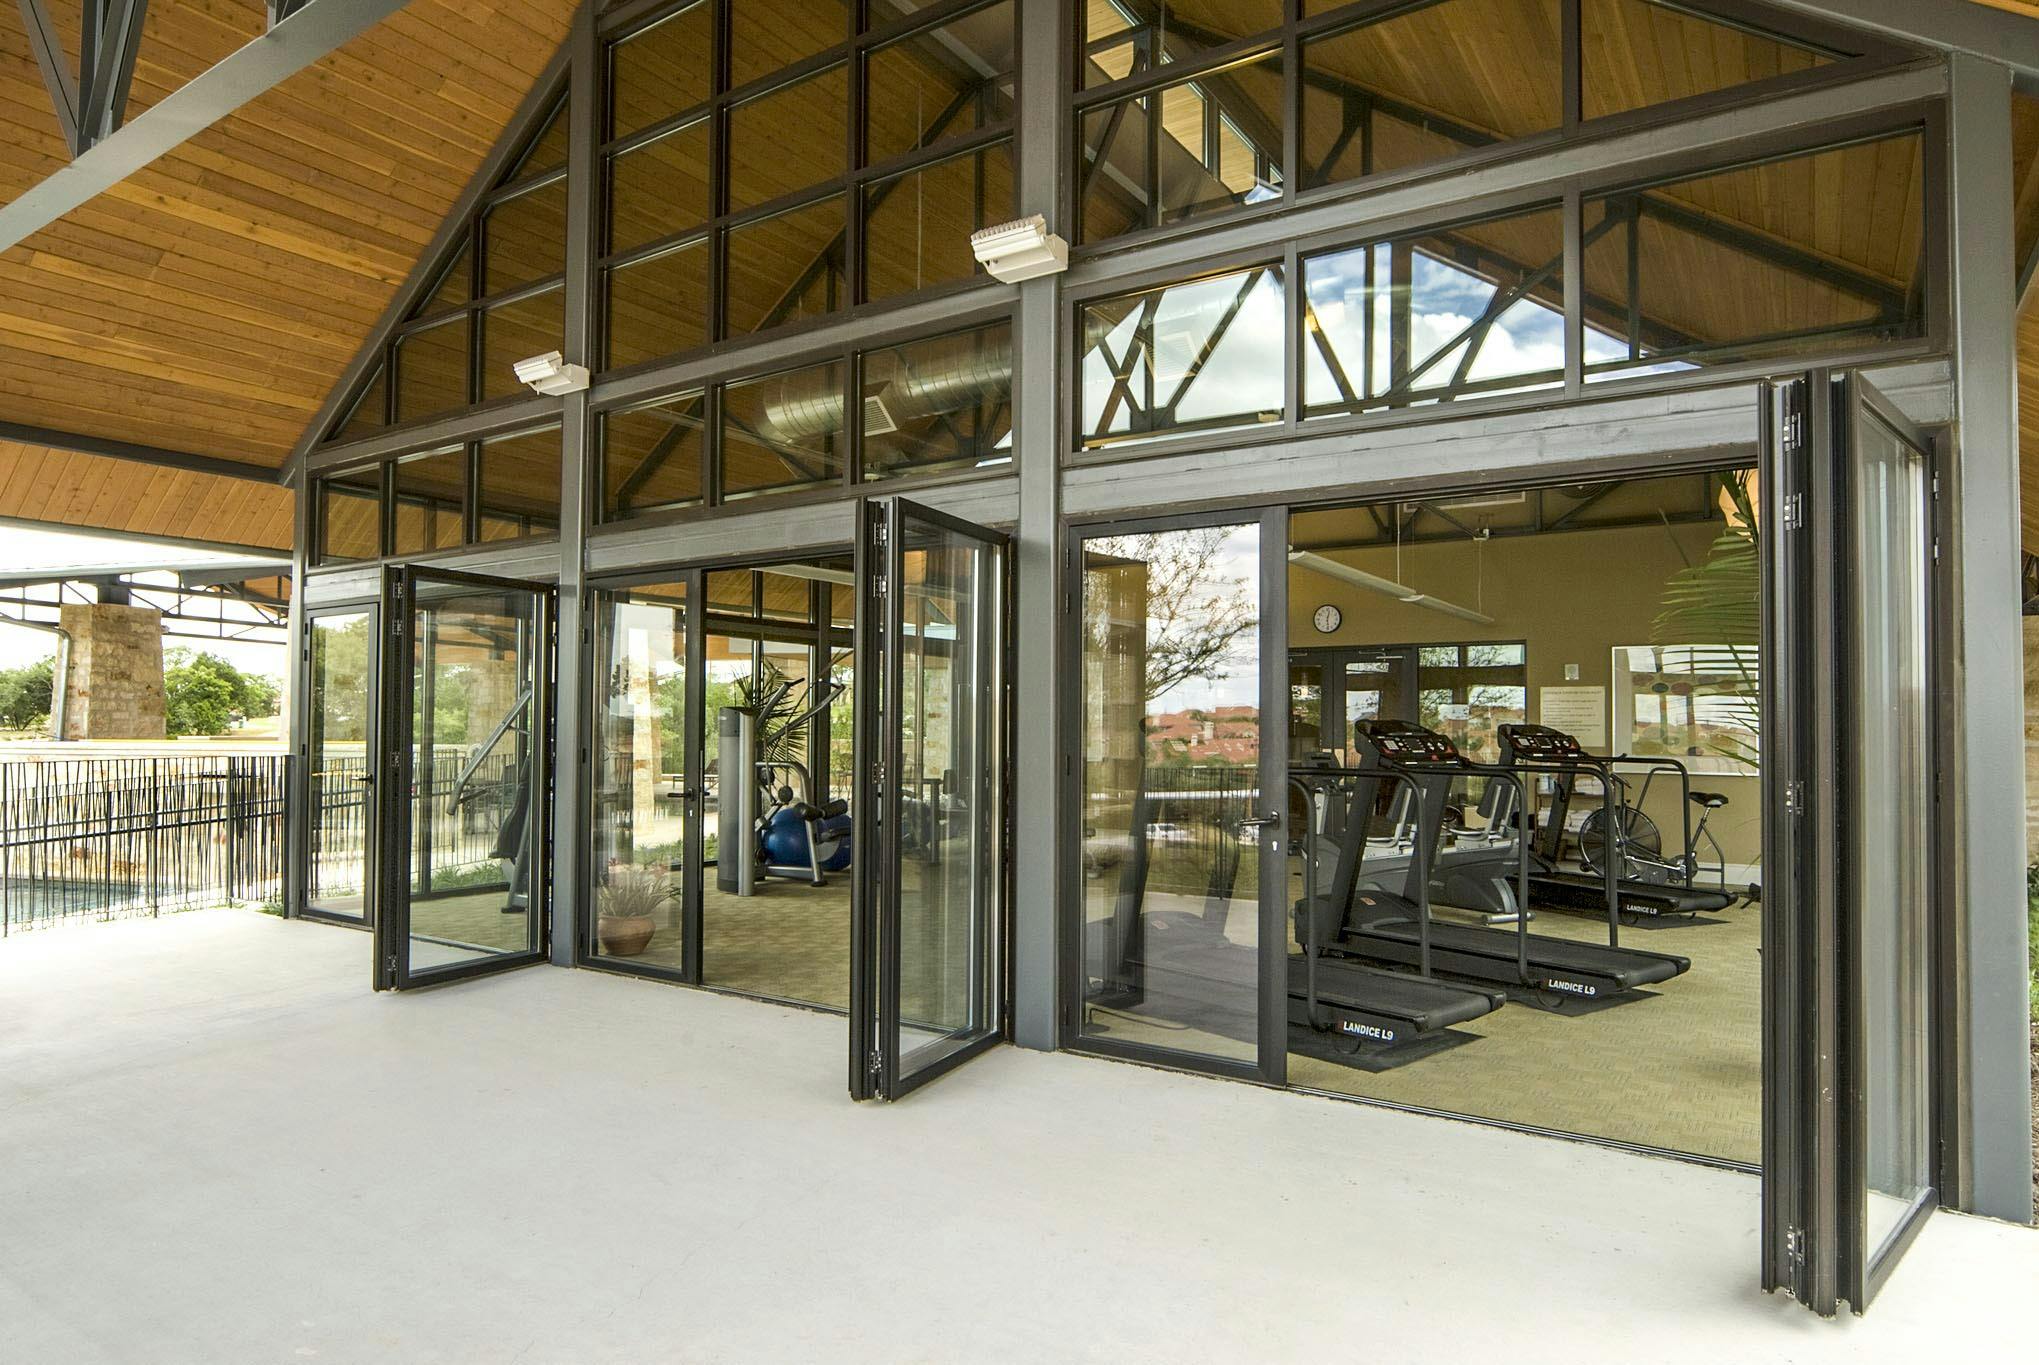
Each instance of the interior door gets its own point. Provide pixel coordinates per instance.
(929, 898)
(1851, 912)
(464, 761)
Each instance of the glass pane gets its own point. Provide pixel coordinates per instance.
(1635, 53)
(342, 688)
(451, 291)
(765, 35)
(350, 516)
(651, 457)
(1116, 45)
(640, 807)
(1891, 807)
(1475, 309)
(1802, 255)
(1171, 903)
(659, 71)
(917, 226)
(1427, 84)
(733, 592)
(939, 83)
(431, 370)
(524, 239)
(475, 857)
(766, 160)
(511, 332)
(431, 501)
(1202, 355)
(948, 792)
(783, 432)
(786, 267)
(519, 493)
(1217, 145)
(547, 151)
(658, 306)
(660, 188)
(939, 404)
(367, 414)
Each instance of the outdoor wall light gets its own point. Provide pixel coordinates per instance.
(1022, 250)
(550, 374)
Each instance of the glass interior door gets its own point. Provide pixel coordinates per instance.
(466, 749)
(341, 648)
(927, 925)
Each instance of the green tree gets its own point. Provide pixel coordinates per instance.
(25, 694)
(204, 694)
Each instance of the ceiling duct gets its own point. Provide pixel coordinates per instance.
(897, 390)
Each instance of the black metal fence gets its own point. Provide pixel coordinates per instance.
(454, 826)
(102, 838)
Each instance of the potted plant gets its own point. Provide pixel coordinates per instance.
(626, 908)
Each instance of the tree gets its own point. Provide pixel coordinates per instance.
(26, 694)
(203, 694)
(1195, 608)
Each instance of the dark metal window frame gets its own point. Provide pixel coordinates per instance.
(369, 609)
(388, 498)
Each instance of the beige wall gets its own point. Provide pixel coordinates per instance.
(1572, 597)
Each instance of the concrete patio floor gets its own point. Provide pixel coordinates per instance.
(217, 1146)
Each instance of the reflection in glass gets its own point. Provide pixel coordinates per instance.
(1477, 308)
(431, 501)
(783, 432)
(342, 687)
(432, 370)
(1636, 53)
(524, 238)
(651, 457)
(1171, 744)
(657, 306)
(662, 70)
(786, 267)
(660, 188)
(368, 412)
(1790, 277)
(939, 83)
(350, 516)
(767, 158)
(945, 403)
(641, 783)
(520, 483)
(1116, 44)
(917, 226)
(765, 35)
(1202, 355)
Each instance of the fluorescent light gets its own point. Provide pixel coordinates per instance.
(1386, 587)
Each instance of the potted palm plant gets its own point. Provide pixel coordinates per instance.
(627, 908)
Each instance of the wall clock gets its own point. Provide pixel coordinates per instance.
(1328, 619)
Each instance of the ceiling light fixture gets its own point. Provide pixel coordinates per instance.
(1386, 587)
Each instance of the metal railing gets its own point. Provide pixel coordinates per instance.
(454, 825)
(103, 838)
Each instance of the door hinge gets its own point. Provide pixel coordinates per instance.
(1794, 511)
(1794, 431)
(1794, 798)
(877, 1068)
(389, 965)
(1794, 1245)
(878, 584)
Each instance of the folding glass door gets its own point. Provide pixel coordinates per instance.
(928, 916)
(340, 660)
(464, 759)
(1851, 905)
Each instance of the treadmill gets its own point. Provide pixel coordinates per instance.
(1540, 749)
(1396, 928)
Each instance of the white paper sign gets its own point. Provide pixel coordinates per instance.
(1580, 712)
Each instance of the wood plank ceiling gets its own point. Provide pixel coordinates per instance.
(209, 302)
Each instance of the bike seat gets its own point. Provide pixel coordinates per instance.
(1708, 800)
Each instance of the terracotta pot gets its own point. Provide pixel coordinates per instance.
(624, 935)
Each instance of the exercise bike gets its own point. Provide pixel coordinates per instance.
(790, 835)
(1639, 845)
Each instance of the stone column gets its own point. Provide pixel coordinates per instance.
(113, 675)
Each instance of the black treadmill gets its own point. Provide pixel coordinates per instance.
(1539, 748)
(1396, 928)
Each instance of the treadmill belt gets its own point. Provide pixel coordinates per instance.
(1590, 892)
(1424, 1004)
(1626, 967)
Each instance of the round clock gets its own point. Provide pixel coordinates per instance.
(1328, 619)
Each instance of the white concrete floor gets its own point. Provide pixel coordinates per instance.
(217, 1146)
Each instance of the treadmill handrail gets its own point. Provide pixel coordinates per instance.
(1610, 880)
(495, 737)
(1417, 844)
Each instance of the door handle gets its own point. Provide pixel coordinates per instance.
(1259, 821)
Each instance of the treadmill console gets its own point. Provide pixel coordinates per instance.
(1541, 743)
(1400, 741)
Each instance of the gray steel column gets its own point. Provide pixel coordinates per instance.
(569, 774)
(1990, 761)
(1037, 447)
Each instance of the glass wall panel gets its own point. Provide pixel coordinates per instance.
(659, 305)
(516, 331)
(548, 150)
(786, 267)
(431, 501)
(369, 409)
(662, 70)
(431, 370)
(651, 457)
(342, 689)
(917, 226)
(1428, 83)
(783, 432)
(1190, 150)
(452, 290)
(765, 35)
(1635, 53)
(1799, 255)
(520, 483)
(789, 139)
(640, 810)
(1201, 355)
(524, 238)
(1169, 766)
(1477, 308)
(659, 188)
(939, 83)
(350, 516)
(939, 404)
(1120, 39)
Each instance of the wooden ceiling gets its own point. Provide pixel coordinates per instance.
(65, 488)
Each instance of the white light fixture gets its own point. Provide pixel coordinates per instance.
(1386, 587)
(1022, 250)
(549, 374)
